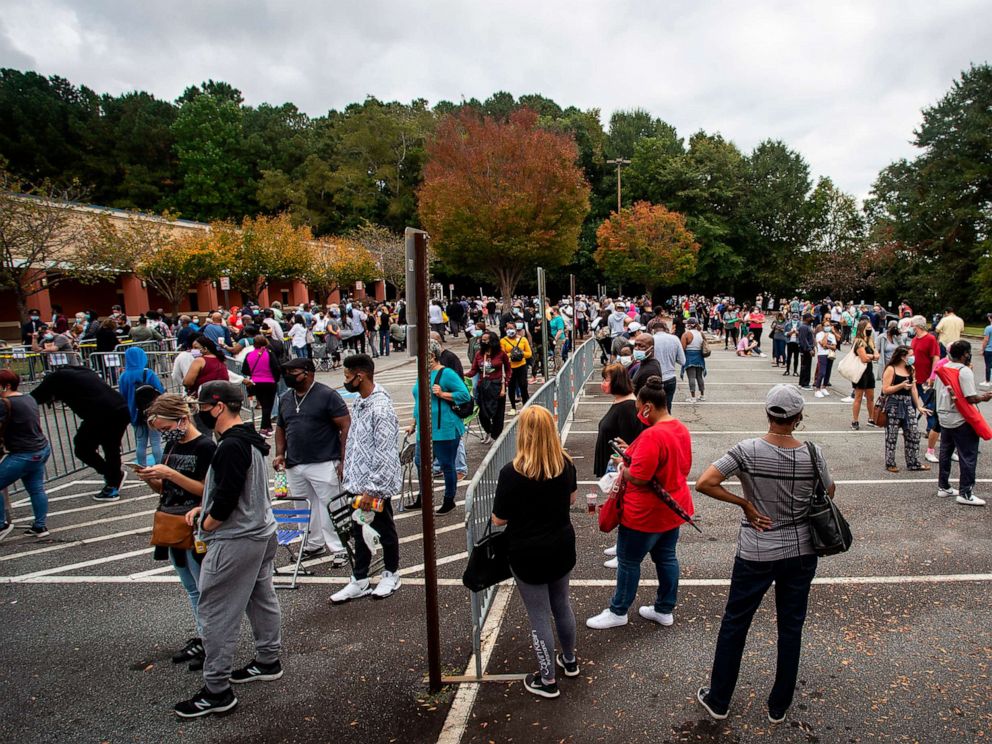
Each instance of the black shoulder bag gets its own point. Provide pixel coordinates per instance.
(829, 530)
(489, 562)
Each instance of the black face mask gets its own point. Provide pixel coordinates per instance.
(352, 385)
(208, 419)
(292, 381)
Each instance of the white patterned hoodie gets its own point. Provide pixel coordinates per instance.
(372, 458)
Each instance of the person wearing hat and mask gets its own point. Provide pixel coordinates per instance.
(777, 474)
(670, 355)
(311, 438)
(236, 525)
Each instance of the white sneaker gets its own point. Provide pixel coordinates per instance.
(847, 399)
(388, 583)
(931, 457)
(954, 456)
(611, 550)
(649, 613)
(606, 619)
(819, 394)
(702, 398)
(985, 384)
(612, 563)
(354, 590)
(970, 499)
(945, 492)
(690, 399)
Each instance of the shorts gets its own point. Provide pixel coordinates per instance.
(867, 379)
(928, 399)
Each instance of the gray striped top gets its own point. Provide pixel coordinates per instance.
(779, 482)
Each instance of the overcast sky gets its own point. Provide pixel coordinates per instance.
(842, 82)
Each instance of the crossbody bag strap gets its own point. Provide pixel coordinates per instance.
(818, 486)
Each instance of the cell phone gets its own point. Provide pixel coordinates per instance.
(134, 466)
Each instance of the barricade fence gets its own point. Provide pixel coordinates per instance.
(558, 395)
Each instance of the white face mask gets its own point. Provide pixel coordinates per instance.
(626, 361)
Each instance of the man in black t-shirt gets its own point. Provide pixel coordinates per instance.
(311, 436)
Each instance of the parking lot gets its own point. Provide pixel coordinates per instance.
(896, 648)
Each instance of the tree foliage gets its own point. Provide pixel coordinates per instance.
(336, 263)
(388, 249)
(646, 244)
(501, 198)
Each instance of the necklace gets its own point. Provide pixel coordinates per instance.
(776, 434)
(299, 400)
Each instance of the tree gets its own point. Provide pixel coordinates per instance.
(499, 199)
(336, 263)
(259, 250)
(840, 261)
(46, 240)
(388, 249)
(178, 265)
(646, 244)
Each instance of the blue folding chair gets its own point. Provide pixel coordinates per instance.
(293, 526)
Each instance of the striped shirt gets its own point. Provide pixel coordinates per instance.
(779, 482)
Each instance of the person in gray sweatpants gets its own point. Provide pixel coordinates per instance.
(237, 527)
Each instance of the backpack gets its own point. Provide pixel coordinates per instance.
(463, 411)
(516, 353)
(144, 394)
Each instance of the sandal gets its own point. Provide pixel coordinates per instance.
(893, 469)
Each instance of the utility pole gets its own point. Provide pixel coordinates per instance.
(619, 163)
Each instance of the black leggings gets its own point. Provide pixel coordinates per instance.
(733, 335)
(518, 380)
(105, 434)
(265, 393)
(492, 407)
(792, 356)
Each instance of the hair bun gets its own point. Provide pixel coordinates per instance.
(654, 382)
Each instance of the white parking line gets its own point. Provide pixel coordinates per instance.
(102, 505)
(75, 544)
(81, 564)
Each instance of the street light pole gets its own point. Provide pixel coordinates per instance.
(619, 163)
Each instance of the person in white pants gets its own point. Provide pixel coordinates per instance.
(311, 436)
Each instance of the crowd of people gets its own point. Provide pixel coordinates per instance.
(214, 521)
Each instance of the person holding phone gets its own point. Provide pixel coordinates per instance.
(902, 406)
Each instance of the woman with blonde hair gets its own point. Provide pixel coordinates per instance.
(533, 496)
(864, 347)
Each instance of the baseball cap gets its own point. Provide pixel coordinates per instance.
(634, 327)
(218, 391)
(784, 401)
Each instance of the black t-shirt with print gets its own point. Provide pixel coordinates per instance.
(191, 459)
(539, 528)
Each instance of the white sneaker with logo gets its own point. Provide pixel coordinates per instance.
(946, 492)
(650, 613)
(969, 499)
(388, 583)
(606, 619)
(353, 590)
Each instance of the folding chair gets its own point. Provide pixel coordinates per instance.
(293, 526)
(411, 482)
(473, 427)
(341, 510)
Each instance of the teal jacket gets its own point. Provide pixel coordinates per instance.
(446, 424)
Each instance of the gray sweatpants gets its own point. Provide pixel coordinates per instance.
(236, 578)
(542, 602)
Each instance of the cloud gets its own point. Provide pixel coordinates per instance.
(842, 82)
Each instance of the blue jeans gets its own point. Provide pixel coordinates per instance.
(299, 352)
(748, 584)
(446, 452)
(29, 468)
(143, 433)
(189, 577)
(987, 355)
(461, 464)
(384, 343)
(632, 546)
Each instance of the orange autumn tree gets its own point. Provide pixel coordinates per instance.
(501, 197)
(335, 263)
(646, 244)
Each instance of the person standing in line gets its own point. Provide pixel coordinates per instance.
(261, 368)
(311, 442)
(372, 472)
(136, 376)
(792, 354)
(961, 423)
(902, 405)
(864, 347)
(663, 453)
(987, 352)
(826, 349)
(670, 355)
(695, 363)
(534, 494)
(926, 354)
(518, 351)
(777, 475)
(27, 451)
(104, 417)
(807, 351)
(238, 529)
(950, 328)
(435, 316)
(493, 368)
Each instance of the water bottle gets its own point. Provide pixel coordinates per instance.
(280, 485)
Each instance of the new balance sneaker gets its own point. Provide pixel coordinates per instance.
(969, 499)
(606, 619)
(192, 650)
(612, 562)
(650, 613)
(36, 531)
(536, 686)
(388, 584)
(205, 702)
(570, 668)
(107, 493)
(946, 492)
(701, 695)
(5, 529)
(257, 672)
(354, 590)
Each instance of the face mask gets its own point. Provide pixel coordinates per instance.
(173, 437)
(605, 387)
(867, 334)
(911, 360)
(640, 355)
(643, 418)
(826, 329)
(911, 332)
(352, 385)
(197, 353)
(49, 336)
(520, 326)
(208, 419)
(511, 332)
(626, 361)
(476, 333)
(35, 318)
(292, 381)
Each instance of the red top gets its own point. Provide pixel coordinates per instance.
(925, 348)
(213, 369)
(498, 367)
(663, 452)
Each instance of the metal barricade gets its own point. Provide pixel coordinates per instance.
(107, 364)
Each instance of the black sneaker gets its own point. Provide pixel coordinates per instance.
(536, 686)
(339, 559)
(5, 529)
(36, 531)
(775, 716)
(257, 672)
(416, 504)
(107, 493)
(309, 555)
(571, 668)
(196, 665)
(446, 507)
(192, 650)
(205, 702)
(701, 696)
(855, 426)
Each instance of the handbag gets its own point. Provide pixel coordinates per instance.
(171, 531)
(881, 417)
(705, 348)
(610, 512)
(489, 562)
(851, 368)
(829, 530)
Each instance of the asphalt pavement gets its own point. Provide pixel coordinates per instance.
(896, 647)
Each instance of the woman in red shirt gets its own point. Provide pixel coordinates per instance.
(493, 368)
(756, 324)
(662, 452)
